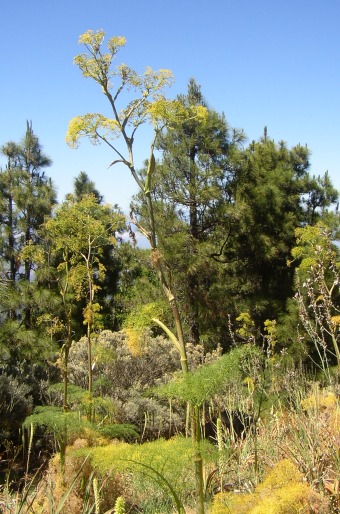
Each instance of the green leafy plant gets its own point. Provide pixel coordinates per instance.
(64, 426)
(161, 471)
(200, 385)
(125, 432)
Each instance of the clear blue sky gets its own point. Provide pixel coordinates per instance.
(260, 62)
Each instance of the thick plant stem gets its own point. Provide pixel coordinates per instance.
(89, 351)
(196, 436)
(174, 308)
(135, 115)
(173, 338)
(67, 347)
(63, 455)
(159, 265)
(166, 286)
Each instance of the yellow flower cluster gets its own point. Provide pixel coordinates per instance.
(93, 40)
(89, 126)
(282, 492)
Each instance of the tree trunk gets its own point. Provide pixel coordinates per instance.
(192, 284)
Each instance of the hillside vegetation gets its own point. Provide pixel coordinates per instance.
(196, 372)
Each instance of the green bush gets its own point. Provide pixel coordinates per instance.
(123, 432)
(155, 474)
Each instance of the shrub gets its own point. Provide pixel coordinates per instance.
(155, 474)
(123, 432)
(127, 376)
(15, 404)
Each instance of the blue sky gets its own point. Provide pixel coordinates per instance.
(263, 63)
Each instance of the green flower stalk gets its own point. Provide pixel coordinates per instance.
(96, 495)
(120, 505)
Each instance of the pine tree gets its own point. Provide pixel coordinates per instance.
(268, 193)
(190, 194)
(26, 197)
(84, 186)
